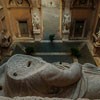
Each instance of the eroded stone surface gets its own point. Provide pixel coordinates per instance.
(36, 98)
(32, 76)
(22, 66)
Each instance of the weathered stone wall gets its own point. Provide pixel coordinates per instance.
(1, 14)
(13, 14)
(83, 14)
(50, 3)
(19, 14)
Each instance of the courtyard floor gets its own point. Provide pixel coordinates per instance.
(56, 52)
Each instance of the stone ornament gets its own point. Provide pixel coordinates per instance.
(67, 18)
(36, 20)
(66, 23)
(1, 7)
(5, 39)
(19, 1)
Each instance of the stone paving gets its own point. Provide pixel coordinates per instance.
(55, 47)
(57, 51)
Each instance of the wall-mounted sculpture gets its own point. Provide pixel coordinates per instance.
(36, 21)
(66, 22)
(66, 19)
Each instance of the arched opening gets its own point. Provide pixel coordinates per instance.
(52, 18)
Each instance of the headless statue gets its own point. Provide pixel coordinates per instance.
(32, 76)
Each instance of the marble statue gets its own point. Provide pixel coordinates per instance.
(36, 21)
(66, 18)
(66, 23)
(66, 12)
(32, 76)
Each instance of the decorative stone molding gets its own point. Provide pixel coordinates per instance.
(19, 3)
(1, 7)
(36, 98)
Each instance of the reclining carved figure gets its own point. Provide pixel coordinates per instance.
(32, 76)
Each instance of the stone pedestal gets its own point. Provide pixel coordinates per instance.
(37, 35)
(66, 34)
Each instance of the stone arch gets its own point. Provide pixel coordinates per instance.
(61, 3)
(11, 1)
(29, 2)
(14, 2)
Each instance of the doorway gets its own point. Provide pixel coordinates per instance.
(23, 26)
(51, 18)
(79, 29)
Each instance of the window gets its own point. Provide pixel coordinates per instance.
(83, 2)
(23, 28)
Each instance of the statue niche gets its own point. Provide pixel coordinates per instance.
(36, 23)
(66, 23)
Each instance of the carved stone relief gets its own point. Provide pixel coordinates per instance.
(36, 21)
(66, 19)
